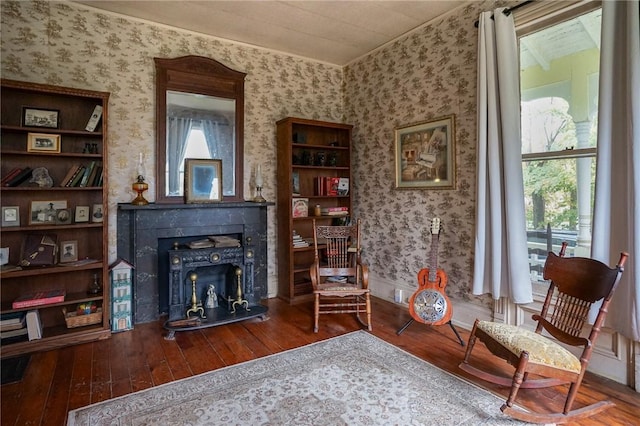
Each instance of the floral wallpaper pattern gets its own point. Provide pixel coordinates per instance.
(427, 74)
(423, 76)
(68, 44)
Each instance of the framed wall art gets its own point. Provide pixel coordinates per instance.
(43, 142)
(203, 180)
(11, 216)
(40, 117)
(425, 155)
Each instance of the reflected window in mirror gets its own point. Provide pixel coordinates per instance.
(203, 127)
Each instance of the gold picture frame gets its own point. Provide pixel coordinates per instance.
(425, 155)
(202, 181)
(43, 142)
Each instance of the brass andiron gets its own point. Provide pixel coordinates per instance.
(194, 300)
(239, 300)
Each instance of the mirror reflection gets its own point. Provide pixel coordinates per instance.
(203, 127)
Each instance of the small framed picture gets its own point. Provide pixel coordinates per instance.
(82, 214)
(11, 216)
(97, 213)
(44, 212)
(43, 142)
(203, 180)
(63, 216)
(68, 251)
(40, 117)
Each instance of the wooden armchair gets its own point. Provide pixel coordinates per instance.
(340, 281)
(574, 285)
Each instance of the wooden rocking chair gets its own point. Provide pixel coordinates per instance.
(575, 284)
(340, 280)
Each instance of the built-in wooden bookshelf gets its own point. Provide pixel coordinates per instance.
(309, 151)
(45, 126)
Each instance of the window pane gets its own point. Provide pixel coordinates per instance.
(559, 94)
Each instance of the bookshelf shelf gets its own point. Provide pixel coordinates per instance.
(324, 153)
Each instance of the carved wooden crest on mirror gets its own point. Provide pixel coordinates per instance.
(199, 114)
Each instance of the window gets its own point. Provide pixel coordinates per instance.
(559, 97)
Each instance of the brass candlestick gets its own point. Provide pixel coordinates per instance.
(194, 300)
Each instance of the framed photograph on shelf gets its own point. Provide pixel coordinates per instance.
(82, 214)
(97, 213)
(68, 251)
(63, 216)
(40, 117)
(11, 216)
(43, 142)
(45, 212)
(425, 155)
(203, 181)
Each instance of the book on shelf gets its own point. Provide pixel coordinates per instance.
(75, 179)
(295, 181)
(97, 180)
(300, 207)
(327, 185)
(12, 321)
(334, 211)
(343, 186)
(69, 174)
(12, 173)
(85, 175)
(38, 299)
(94, 119)
(34, 325)
(6, 334)
(20, 177)
(79, 262)
(298, 241)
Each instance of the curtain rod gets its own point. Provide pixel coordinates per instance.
(508, 10)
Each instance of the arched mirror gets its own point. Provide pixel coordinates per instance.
(199, 114)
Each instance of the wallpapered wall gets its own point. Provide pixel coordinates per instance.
(427, 74)
(70, 45)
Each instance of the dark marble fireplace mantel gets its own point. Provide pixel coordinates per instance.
(146, 233)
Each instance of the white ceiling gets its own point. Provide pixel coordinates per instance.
(336, 32)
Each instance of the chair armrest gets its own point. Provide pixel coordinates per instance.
(313, 273)
(364, 269)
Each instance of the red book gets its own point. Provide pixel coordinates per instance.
(13, 173)
(39, 298)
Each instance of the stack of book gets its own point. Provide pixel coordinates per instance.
(224, 241)
(16, 176)
(332, 186)
(13, 327)
(334, 211)
(298, 241)
(83, 176)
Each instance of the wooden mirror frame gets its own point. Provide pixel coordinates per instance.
(204, 76)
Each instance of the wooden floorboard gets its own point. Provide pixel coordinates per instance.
(61, 380)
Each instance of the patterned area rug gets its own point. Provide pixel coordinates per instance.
(354, 379)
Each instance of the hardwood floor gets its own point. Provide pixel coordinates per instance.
(61, 380)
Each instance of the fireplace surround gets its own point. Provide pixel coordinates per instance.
(148, 234)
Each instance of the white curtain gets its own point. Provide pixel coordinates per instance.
(178, 129)
(501, 266)
(616, 218)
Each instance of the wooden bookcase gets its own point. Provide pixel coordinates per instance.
(307, 150)
(76, 146)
